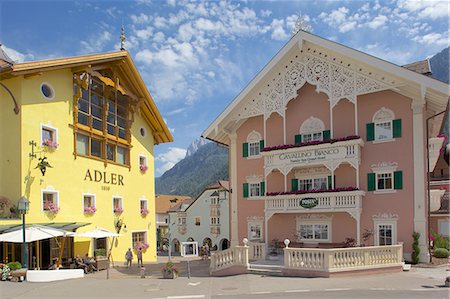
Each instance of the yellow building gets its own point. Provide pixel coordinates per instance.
(93, 120)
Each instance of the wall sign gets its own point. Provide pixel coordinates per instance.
(309, 203)
(312, 155)
(104, 177)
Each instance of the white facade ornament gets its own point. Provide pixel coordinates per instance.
(301, 172)
(385, 216)
(254, 178)
(312, 125)
(314, 217)
(337, 80)
(255, 218)
(383, 115)
(384, 167)
(253, 137)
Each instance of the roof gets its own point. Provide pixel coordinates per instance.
(164, 202)
(445, 204)
(219, 185)
(126, 70)
(371, 74)
(68, 226)
(421, 67)
(179, 206)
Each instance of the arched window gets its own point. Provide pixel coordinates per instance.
(312, 129)
(253, 145)
(383, 126)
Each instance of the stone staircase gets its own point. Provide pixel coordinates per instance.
(267, 270)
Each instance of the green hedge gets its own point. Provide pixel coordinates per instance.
(440, 241)
(441, 253)
(14, 265)
(100, 252)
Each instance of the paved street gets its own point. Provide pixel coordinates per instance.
(420, 282)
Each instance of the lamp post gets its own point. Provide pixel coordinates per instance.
(23, 206)
(429, 179)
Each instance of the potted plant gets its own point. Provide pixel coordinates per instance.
(169, 271)
(51, 208)
(50, 144)
(90, 210)
(144, 212)
(118, 211)
(143, 168)
(4, 272)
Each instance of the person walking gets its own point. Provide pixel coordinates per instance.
(139, 257)
(129, 257)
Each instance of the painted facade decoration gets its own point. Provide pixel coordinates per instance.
(327, 146)
(203, 220)
(95, 123)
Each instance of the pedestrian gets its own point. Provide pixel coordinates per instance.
(139, 257)
(129, 257)
(206, 250)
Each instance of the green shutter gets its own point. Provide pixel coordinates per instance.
(397, 131)
(398, 180)
(298, 138)
(370, 131)
(329, 182)
(262, 188)
(261, 145)
(245, 187)
(371, 181)
(326, 135)
(245, 150)
(294, 184)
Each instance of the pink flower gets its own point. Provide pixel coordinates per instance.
(118, 210)
(51, 207)
(141, 245)
(315, 142)
(143, 167)
(50, 144)
(144, 212)
(90, 210)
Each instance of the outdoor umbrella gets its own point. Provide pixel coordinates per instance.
(98, 233)
(34, 233)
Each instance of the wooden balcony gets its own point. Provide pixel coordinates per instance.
(329, 154)
(344, 201)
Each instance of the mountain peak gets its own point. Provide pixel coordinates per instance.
(195, 145)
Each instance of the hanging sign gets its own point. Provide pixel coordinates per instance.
(309, 203)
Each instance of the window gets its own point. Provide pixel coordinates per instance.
(320, 183)
(117, 205)
(49, 136)
(142, 132)
(89, 203)
(385, 234)
(254, 190)
(253, 146)
(181, 220)
(312, 129)
(444, 227)
(143, 163)
(47, 91)
(138, 237)
(197, 221)
(215, 220)
(384, 181)
(312, 137)
(222, 194)
(214, 200)
(102, 120)
(255, 231)
(317, 232)
(143, 204)
(50, 201)
(384, 126)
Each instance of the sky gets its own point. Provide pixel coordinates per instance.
(196, 56)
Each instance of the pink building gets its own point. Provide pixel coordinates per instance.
(328, 143)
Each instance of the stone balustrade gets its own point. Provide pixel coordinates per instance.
(236, 256)
(256, 251)
(343, 259)
(327, 201)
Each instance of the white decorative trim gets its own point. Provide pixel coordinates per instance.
(50, 190)
(311, 172)
(312, 125)
(384, 167)
(254, 179)
(385, 216)
(255, 220)
(50, 128)
(52, 96)
(253, 137)
(313, 217)
(383, 115)
(385, 219)
(121, 203)
(91, 195)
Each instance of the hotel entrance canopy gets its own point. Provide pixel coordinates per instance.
(67, 226)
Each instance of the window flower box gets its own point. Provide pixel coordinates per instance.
(144, 212)
(316, 142)
(50, 144)
(90, 210)
(143, 168)
(118, 211)
(141, 245)
(51, 208)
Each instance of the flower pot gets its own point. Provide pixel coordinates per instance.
(169, 274)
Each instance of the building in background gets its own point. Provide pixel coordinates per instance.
(78, 141)
(327, 145)
(203, 220)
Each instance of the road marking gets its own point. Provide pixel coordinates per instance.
(262, 292)
(297, 291)
(186, 297)
(194, 283)
(331, 290)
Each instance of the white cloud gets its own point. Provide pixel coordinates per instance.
(169, 159)
(278, 32)
(171, 2)
(433, 39)
(160, 22)
(96, 43)
(378, 21)
(265, 13)
(140, 19)
(347, 26)
(144, 34)
(426, 9)
(17, 56)
(175, 111)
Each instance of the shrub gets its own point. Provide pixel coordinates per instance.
(440, 253)
(100, 252)
(415, 246)
(440, 241)
(14, 265)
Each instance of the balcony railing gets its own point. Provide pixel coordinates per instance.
(327, 201)
(320, 154)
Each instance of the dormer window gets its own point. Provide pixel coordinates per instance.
(312, 129)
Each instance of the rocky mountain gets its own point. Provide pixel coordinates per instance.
(440, 65)
(195, 145)
(209, 163)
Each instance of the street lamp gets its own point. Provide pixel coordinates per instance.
(23, 207)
